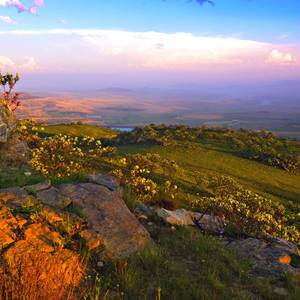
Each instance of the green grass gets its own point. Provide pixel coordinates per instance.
(78, 130)
(184, 264)
(202, 160)
(11, 177)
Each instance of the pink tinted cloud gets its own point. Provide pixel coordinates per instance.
(38, 2)
(17, 4)
(8, 20)
(21, 7)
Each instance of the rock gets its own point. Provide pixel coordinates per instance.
(100, 264)
(109, 181)
(143, 209)
(208, 223)
(91, 238)
(34, 251)
(266, 257)
(176, 217)
(108, 216)
(8, 226)
(3, 132)
(12, 149)
(281, 291)
(183, 217)
(280, 243)
(7, 121)
(110, 224)
(38, 187)
(54, 198)
(13, 197)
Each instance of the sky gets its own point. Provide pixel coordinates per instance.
(147, 42)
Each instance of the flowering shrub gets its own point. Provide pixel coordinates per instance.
(8, 82)
(151, 162)
(63, 156)
(249, 212)
(27, 130)
(137, 172)
(147, 191)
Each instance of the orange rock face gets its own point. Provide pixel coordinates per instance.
(34, 263)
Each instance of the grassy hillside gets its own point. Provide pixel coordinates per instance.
(79, 130)
(203, 159)
(175, 168)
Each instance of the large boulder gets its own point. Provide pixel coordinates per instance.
(110, 224)
(12, 149)
(109, 219)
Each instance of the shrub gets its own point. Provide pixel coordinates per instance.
(27, 130)
(250, 212)
(8, 82)
(63, 156)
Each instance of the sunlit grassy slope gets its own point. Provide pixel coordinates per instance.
(204, 160)
(78, 130)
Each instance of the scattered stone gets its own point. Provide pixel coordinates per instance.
(281, 291)
(266, 257)
(39, 186)
(109, 181)
(143, 209)
(176, 217)
(208, 223)
(100, 264)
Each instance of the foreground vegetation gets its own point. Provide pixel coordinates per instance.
(249, 178)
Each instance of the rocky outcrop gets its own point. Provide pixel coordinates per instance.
(108, 222)
(12, 149)
(33, 249)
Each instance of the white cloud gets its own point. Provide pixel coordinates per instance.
(67, 50)
(28, 64)
(160, 50)
(8, 20)
(6, 62)
(278, 57)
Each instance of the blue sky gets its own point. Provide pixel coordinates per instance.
(229, 38)
(263, 20)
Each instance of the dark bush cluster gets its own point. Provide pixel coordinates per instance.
(261, 146)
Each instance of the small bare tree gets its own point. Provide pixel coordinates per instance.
(8, 82)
